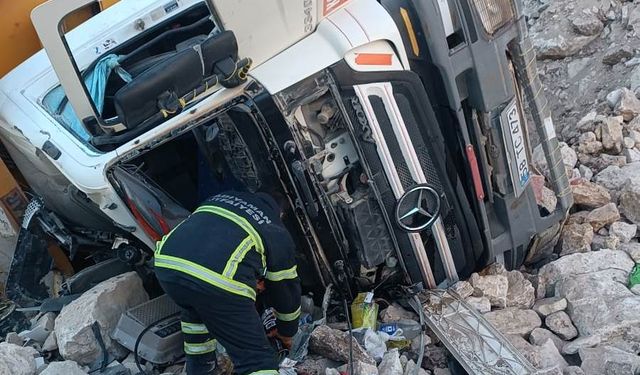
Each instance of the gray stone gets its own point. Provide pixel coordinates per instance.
(600, 242)
(482, 304)
(494, 287)
(614, 178)
(600, 303)
(635, 135)
(600, 162)
(103, 304)
(576, 238)
(633, 249)
(360, 368)
(579, 217)
(630, 200)
(632, 154)
(514, 321)
(520, 292)
(527, 350)
(410, 369)
(584, 263)
(558, 41)
(635, 289)
(573, 347)
(334, 344)
(310, 366)
(628, 106)
(577, 66)
(628, 142)
(587, 24)
(51, 343)
(441, 371)
(585, 172)
(560, 324)
(569, 158)
(390, 364)
(550, 356)
(548, 306)
(608, 360)
(572, 370)
(14, 338)
(395, 313)
(64, 368)
(617, 54)
(624, 231)
(17, 360)
(611, 133)
(589, 195)
(613, 98)
(463, 288)
(603, 216)
(539, 335)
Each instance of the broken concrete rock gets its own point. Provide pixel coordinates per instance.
(64, 368)
(604, 242)
(410, 369)
(544, 357)
(611, 133)
(624, 231)
(632, 155)
(463, 288)
(628, 106)
(51, 343)
(103, 304)
(608, 360)
(572, 370)
(558, 41)
(630, 200)
(560, 324)
(548, 306)
(391, 364)
(494, 287)
(514, 321)
(482, 304)
(589, 195)
(587, 24)
(520, 292)
(603, 216)
(584, 263)
(359, 368)
(614, 178)
(14, 338)
(633, 249)
(569, 158)
(310, 366)
(334, 344)
(395, 313)
(539, 335)
(576, 238)
(526, 349)
(17, 360)
(616, 54)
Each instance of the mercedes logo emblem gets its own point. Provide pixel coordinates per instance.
(418, 208)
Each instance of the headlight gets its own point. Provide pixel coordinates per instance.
(494, 13)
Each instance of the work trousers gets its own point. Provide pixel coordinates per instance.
(209, 314)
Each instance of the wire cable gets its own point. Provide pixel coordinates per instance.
(346, 311)
(421, 314)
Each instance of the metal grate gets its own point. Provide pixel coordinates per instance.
(151, 311)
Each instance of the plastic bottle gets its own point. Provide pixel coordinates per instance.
(409, 329)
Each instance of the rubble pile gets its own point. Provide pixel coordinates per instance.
(66, 343)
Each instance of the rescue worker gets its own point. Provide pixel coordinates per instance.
(211, 264)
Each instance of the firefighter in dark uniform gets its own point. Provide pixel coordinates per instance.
(211, 264)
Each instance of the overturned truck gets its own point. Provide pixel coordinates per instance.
(396, 128)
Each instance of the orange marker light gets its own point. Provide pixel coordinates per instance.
(374, 59)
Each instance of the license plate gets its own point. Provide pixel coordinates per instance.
(516, 145)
